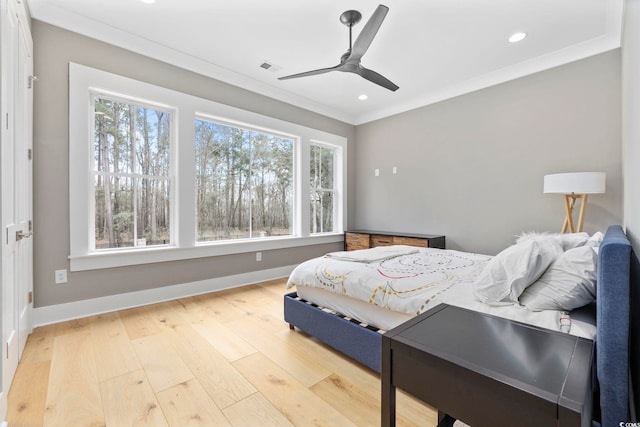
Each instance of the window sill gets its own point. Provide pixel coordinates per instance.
(150, 255)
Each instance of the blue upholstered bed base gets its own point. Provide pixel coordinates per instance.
(357, 342)
(617, 343)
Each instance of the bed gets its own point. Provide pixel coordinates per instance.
(617, 349)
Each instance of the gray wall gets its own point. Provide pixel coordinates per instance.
(472, 167)
(54, 48)
(631, 120)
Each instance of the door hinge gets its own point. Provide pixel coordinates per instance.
(30, 154)
(30, 297)
(30, 225)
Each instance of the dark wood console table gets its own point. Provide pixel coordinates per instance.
(488, 371)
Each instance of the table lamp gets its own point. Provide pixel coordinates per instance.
(575, 186)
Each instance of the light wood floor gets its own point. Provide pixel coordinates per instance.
(221, 359)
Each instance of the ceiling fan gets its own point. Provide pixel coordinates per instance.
(350, 61)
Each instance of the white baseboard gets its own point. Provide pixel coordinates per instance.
(90, 307)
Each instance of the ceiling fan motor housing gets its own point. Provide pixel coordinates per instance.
(350, 18)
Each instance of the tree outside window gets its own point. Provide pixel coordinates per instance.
(322, 188)
(131, 169)
(244, 182)
(186, 177)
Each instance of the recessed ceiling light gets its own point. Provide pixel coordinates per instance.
(363, 97)
(516, 37)
(148, 1)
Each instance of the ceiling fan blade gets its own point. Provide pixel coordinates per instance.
(376, 78)
(310, 73)
(367, 34)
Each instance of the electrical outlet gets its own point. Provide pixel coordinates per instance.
(61, 276)
(258, 256)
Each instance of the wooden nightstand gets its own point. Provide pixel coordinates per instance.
(364, 239)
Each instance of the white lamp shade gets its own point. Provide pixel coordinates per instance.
(576, 183)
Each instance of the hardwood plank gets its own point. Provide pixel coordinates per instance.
(162, 364)
(39, 347)
(249, 300)
(306, 370)
(411, 412)
(295, 401)
(113, 350)
(138, 323)
(309, 348)
(352, 401)
(266, 319)
(222, 381)
(165, 315)
(224, 339)
(73, 397)
(130, 401)
(255, 410)
(71, 326)
(219, 308)
(188, 404)
(28, 394)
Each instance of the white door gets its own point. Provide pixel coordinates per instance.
(16, 188)
(24, 183)
(24, 180)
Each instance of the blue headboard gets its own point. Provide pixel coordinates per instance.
(617, 328)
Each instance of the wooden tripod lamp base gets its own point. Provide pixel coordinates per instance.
(574, 186)
(569, 203)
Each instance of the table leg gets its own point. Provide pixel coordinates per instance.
(388, 405)
(388, 389)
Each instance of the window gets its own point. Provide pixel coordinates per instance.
(244, 182)
(322, 188)
(158, 175)
(131, 168)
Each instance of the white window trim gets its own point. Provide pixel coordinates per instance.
(338, 183)
(84, 80)
(93, 94)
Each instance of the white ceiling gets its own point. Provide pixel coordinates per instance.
(432, 49)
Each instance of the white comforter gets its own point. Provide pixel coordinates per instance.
(410, 283)
(414, 282)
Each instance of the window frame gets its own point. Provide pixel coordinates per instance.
(84, 80)
(93, 96)
(252, 128)
(337, 181)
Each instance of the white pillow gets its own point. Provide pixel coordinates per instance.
(512, 270)
(595, 240)
(568, 240)
(568, 283)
